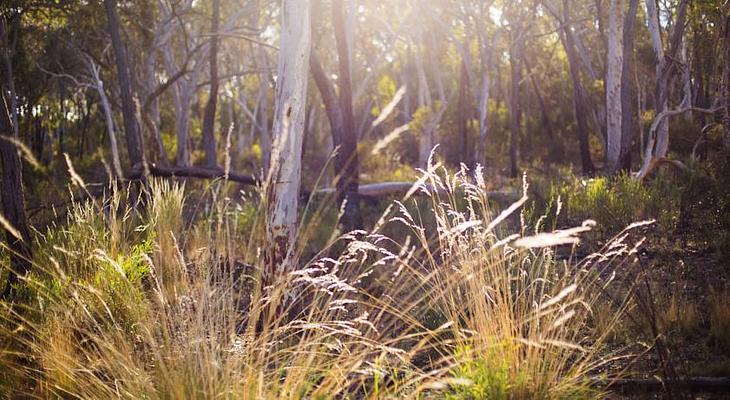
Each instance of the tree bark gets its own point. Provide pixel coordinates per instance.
(614, 67)
(131, 129)
(209, 142)
(282, 187)
(13, 202)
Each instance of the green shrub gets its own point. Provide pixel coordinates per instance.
(613, 202)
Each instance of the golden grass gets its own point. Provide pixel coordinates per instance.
(136, 305)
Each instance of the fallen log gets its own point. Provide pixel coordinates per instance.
(138, 172)
(376, 191)
(370, 191)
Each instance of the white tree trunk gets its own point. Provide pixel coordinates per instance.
(614, 66)
(424, 101)
(481, 148)
(282, 187)
(686, 78)
(108, 117)
(662, 131)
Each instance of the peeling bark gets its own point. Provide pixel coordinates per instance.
(282, 187)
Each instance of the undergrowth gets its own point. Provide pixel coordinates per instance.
(128, 301)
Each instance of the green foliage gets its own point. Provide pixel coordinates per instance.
(484, 377)
(613, 202)
(120, 298)
(384, 167)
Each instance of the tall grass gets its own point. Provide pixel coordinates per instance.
(134, 304)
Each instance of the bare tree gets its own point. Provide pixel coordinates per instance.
(282, 186)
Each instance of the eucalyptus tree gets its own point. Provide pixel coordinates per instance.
(614, 67)
(619, 78)
(284, 178)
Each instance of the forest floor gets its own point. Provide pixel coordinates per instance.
(686, 283)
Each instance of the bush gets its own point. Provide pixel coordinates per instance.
(613, 202)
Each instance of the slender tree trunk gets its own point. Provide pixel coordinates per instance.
(6, 55)
(481, 147)
(544, 115)
(424, 101)
(515, 56)
(597, 112)
(131, 130)
(348, 181)
(579, 102)
(614, 67)
(464, 106)
(182, 156)
(627, 99)
(62, 122)
(265, 138)
(282, 187)
(108, 118)
(151, 116)
(209, 142)
(661, 102)
(407, 82)
(13, 205)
